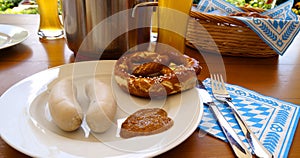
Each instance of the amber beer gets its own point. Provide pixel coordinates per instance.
(172, 22)
(50, 24)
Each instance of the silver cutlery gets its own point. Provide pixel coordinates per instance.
(235, 142)
(221, 94)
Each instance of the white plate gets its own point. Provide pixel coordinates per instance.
(26, 123)
(11, 35)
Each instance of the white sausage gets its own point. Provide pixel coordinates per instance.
(102, 106)
(63, 106)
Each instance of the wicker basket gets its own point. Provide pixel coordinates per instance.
(229, 36)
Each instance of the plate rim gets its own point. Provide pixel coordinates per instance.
(9, 44)
(170, 146)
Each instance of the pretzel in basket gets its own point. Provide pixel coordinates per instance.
(250, 14)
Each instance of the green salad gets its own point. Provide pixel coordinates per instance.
(263, 4)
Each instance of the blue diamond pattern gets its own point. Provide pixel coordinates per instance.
(264, 115)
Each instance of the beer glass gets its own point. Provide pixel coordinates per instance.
(172, 24)
(50, 25)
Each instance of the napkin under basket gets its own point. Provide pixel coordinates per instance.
(230, 35)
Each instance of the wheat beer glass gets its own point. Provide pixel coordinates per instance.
(173, 18)
(50, 24)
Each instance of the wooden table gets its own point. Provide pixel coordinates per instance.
(277, 77)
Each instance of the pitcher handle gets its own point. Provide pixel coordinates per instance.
(141, 5)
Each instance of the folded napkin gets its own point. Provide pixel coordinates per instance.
(278, 32)
(273, 121)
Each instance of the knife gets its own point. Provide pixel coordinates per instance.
(257, 147)
(235, 142)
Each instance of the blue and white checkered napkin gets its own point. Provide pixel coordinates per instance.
(278, 32)
(273, 121)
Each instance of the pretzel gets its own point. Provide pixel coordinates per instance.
(250, 14)
(150, 74)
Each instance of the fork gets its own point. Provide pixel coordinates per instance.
(221, 94)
